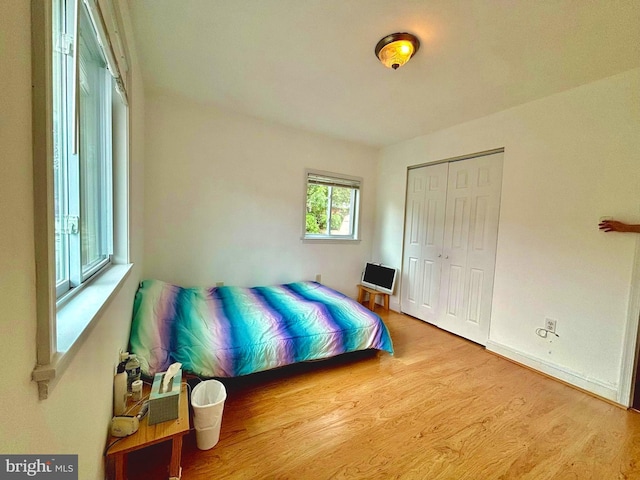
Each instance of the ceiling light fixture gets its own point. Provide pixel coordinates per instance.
(396, 49)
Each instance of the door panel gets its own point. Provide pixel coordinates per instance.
(475, 295)
(412, 280)
(414, 232)
(453, 291)
(426, 198)
(460, 222)
(470, 244)
(411, 271)
(429, 290)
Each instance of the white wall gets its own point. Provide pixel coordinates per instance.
(224, 199)
(75, 418)
(569, 159)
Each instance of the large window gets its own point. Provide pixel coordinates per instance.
(332, 206)
(80, 155)
(82, 88)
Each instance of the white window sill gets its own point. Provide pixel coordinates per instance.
(329, 240)
(76, 318)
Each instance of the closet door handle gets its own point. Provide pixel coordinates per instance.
(446, 257)
(439, 255)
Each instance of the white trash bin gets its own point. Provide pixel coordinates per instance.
(207, 400)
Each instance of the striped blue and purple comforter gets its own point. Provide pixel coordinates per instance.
(233, 331)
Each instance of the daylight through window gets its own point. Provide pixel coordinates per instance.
(82, 162)
(332, 206)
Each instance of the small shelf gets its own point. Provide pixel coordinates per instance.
(362, 291)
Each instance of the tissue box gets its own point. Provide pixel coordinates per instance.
(164, 405)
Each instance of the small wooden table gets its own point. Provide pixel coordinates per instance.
(372, 297)
(148, 435)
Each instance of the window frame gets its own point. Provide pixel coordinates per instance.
(333, 179)
(77, 73)
(62, 327)
(105, 83)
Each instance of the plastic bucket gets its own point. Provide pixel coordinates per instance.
(207, 438)
(207, 400)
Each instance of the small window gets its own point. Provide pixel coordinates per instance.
(82, 165)
(332, 206)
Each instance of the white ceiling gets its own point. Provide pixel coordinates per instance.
(310, 63)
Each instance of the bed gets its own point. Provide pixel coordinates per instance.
(234, 331)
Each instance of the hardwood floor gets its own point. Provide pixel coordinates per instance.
(440, 408)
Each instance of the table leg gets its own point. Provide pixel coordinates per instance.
(372, 301)
(360, 294)
(120, 467)
(386, 302)
(176, 453)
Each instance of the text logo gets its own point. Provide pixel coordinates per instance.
(50, 467)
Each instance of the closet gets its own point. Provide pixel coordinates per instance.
(450, 235)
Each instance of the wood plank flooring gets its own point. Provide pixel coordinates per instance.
(440, 408)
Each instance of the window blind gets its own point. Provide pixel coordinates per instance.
(316, 179)
(103, 39)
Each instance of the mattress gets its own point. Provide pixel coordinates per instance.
(233, 331)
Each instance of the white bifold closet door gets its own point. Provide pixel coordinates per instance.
(451, 230)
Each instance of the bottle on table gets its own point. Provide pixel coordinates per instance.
(133, 370)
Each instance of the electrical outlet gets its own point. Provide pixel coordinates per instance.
(318, 278)
(550, 325)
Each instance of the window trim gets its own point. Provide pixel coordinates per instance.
(86, 47)
(340, 180)
(86, 306)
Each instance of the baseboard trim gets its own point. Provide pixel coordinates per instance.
(568, 377)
